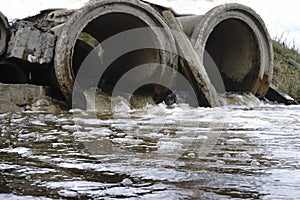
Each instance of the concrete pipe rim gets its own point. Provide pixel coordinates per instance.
(67, 38)
(247, 16)
(4, 33)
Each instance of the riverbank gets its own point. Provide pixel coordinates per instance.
(286, 76)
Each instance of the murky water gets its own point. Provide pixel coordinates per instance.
(243, 151)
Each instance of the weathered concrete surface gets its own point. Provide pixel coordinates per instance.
(8, 106)
(191, 66)
(4, 33)
(60, 16)
(235, 38)
(50, 18)
(27, 42)
(233, 35)
(22, 94)
(17, 97)
(102, 19)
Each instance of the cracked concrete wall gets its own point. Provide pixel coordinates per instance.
(31, 44)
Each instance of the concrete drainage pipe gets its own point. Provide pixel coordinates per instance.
(4, 28)
(98, 21)
(236, 39)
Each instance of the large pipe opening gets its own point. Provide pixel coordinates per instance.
(105, 27)
(232, 39)
(99, 22)
(235, 52)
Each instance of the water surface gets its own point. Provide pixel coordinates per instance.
(243, 151)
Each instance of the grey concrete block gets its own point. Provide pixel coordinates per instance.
(31, 44)
(22, 94)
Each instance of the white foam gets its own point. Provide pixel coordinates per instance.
(25, 197)
(236, 141)
(23, 151)
(103, 132)
(127, 141)
(68, 193)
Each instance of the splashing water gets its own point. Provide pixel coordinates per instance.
(153, 152)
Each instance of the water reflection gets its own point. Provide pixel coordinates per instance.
(152, 153)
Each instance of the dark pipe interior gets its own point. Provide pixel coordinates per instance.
(234, 49)
(105, 27)
(16, 71)
(10, 73)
